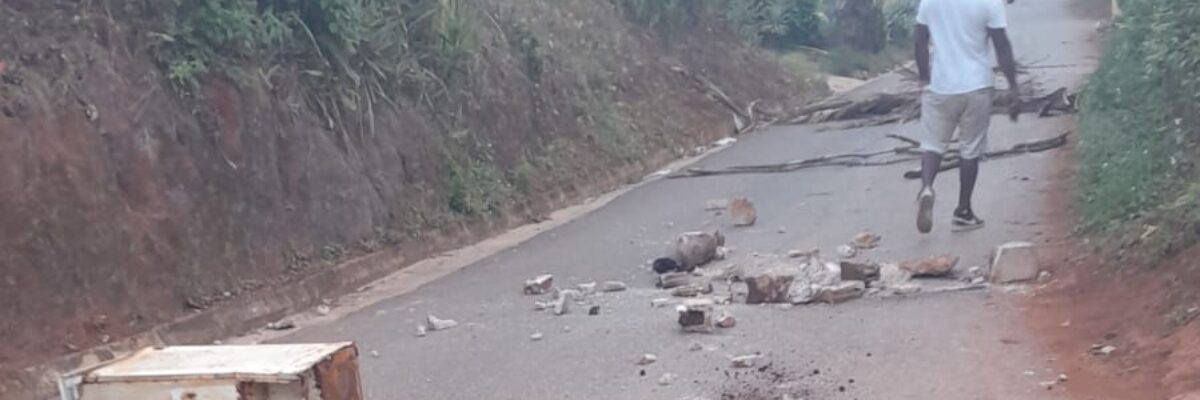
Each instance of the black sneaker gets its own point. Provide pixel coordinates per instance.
(925, 210)
(965, 220)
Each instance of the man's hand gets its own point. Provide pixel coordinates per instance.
(1013, 98)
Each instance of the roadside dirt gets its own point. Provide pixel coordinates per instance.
(1147, 313)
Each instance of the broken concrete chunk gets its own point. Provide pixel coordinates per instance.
(696, 315)
(542, 305)
(847, 251)
(716, 204)
(675, 279)
(726, 321)
(746, 361)
(437, 324)
(536, 336)
(281, 325)
(323, 310)
(594, 310)
(769, 288)
(840, 292)
(891, 275)
(586, 289)
(692, 290)
(647, 359)
(866, 240)
(539, 285)
(667, 379)
(1014, 262)
(562, 300)
(694, 249)
(614, 286)
(1103, 350)
(660, 303)
(933, 266)
(421, 331)
(742, 212)
(856, 271)
(803, 253)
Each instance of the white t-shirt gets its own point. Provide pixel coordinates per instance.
(961, 57)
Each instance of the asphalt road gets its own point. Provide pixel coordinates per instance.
(953, 346)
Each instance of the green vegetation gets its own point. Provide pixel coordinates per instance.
(1139, 117)
(773, 23)
(1140, 114)
(900, 17)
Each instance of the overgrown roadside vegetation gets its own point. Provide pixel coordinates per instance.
(1140, 133)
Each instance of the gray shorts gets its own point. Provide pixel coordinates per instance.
(968, 113)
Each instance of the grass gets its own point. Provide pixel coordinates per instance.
(844, 61)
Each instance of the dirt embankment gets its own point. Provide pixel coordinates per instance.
(126, 203)
(1146, 313)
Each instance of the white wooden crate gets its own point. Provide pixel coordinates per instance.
(326, 371)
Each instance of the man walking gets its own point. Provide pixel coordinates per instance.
(959, 92)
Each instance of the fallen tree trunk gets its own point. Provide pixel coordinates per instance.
(1021, 148)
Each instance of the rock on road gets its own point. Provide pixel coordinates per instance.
(954, 346)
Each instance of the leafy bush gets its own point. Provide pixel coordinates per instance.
(774, 23)
(1140, 113)
(900, 17)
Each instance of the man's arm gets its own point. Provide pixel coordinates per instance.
(921, 48)
(1008, 65)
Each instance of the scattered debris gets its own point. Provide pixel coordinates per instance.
(855, 271)
(803, 254)
(542, 305)
(676, 279)
(847, 251)
(842, 292)
(539, 285)
(866, 240)
(782, 230)
(562, 300)
(692, 290)
(436, 324)
(1014, 262)
(722, 253)
(1103, 350)
(696, 346)
(771, 287)
(726, 321)
(1062, 377)
(421, 331)
(1048, 385)
(742, 211)
(1044, 276)
(566, 329)
(282, 325)
(666, 379)
(536, 336)
(586, 289)
(696, 315)
(374, 354)
(594, 310)
(719, 143)
(647, 359)
(716, 204)
(694, 249)
(660, 303)
(1065, 324)
(933, 266)
(614, 286)
(746, 361)
(323, 310)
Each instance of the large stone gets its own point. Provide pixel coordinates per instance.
(694, 249)
(933, 266)
(742, 212)
(692, 290)
(841, 292)
(866, 240)
(769, 288)
(1014, 262)
(539, 285)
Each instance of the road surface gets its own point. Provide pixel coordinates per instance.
(957, 346)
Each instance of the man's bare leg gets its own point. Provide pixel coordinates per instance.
(931, 162)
